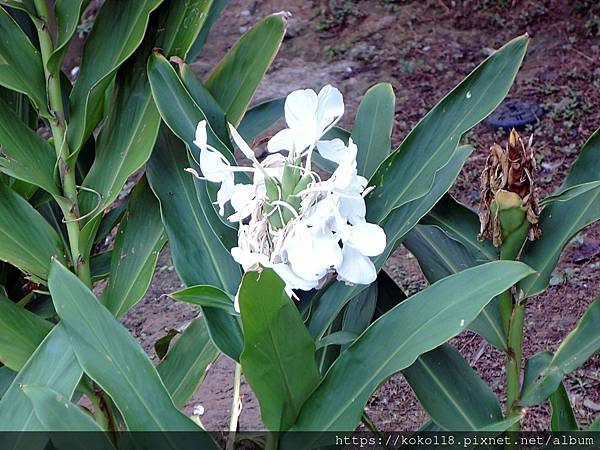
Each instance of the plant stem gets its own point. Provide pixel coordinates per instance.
(272, 441)
(513, 363)
(69, 204)
(235, 410)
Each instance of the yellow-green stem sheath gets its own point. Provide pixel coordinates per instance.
(235, 410)
(70, 207)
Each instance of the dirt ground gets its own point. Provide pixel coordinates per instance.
(424, 48)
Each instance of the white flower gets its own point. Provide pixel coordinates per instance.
(308, 116)
(306, 229)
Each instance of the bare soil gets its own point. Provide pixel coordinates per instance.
(424, 48)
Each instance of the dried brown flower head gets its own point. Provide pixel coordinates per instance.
(507, 183)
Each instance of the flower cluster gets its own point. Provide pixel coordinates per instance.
(290, 219)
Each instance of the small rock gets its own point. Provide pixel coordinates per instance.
(243, 29)
(245, 13)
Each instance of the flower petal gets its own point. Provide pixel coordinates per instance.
(224, 194)
(201, 138)
(243, 200)
(249, 259)
(301, 110)
(214, 166)
(283, 140)
(311, 252)
(334, 150)
(292, 280)
(330, 107)
(241, 143)
(368, 238)
(356, 268)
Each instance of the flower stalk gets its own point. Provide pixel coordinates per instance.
(235, 407)
(68, 203)
(509, 214)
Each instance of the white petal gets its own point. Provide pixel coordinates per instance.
(330, 107)
(356, 268)
(241, 143)
(292, 280)
(311, 252)
(248, 259)
(283, 140)
(368, 238)
(242, 201)
(301, 110)
(353, 209)
(214, 166)
(224, 194)
(334, 150)
(201, 138)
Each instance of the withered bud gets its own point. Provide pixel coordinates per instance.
(507, 184)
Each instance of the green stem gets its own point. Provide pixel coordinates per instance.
(513, 364)
(69, 204)
(235, 411)
(272, 441)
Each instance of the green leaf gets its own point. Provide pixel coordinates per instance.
(53, 364)
(139, 240)
(67, 13)
(21, 66)
(21, 332)
(57, 413)
(279, 355)
(118, 30)
(186, 363)
(372, 131)
(205, 296)
(360, 311)
(409, 172)
(112, 358)
(100, 265)
(417, 325)
(337, 338)
(577, 347)
(563, 418)
(25, 155)
(562, 220)
(27, 241)
(182, 24)
(215, 11)
(453, 395)
(260, 118)
(237, 76)
(439, 256)
(123, 150)
(396, 226)
(197, 251)
(461, 223)
(6, 378)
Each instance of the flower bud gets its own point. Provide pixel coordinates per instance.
(509, 210)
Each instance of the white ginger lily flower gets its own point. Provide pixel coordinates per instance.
(308, 116)
(304, 228)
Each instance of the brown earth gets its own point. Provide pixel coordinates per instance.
(424, 48)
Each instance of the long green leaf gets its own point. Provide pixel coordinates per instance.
(205, 296)
(279, 355)
(186, 363)
(260, 118)
(117, 32)
(197, 251)
(53, 364)
(396, 339)
(21, 332)
(112, 358)
(139, 240)
(237, 76)
(578, 346)
(21, 66)
(408, 173)
(372, 131)
(215, 11)
(440, 256)
(67, 13)
(453, 395)
(25, 155)
(26, 239)
(6, 378)
(57, 413)
(396, 227)
(563, 417)
(560, 221)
